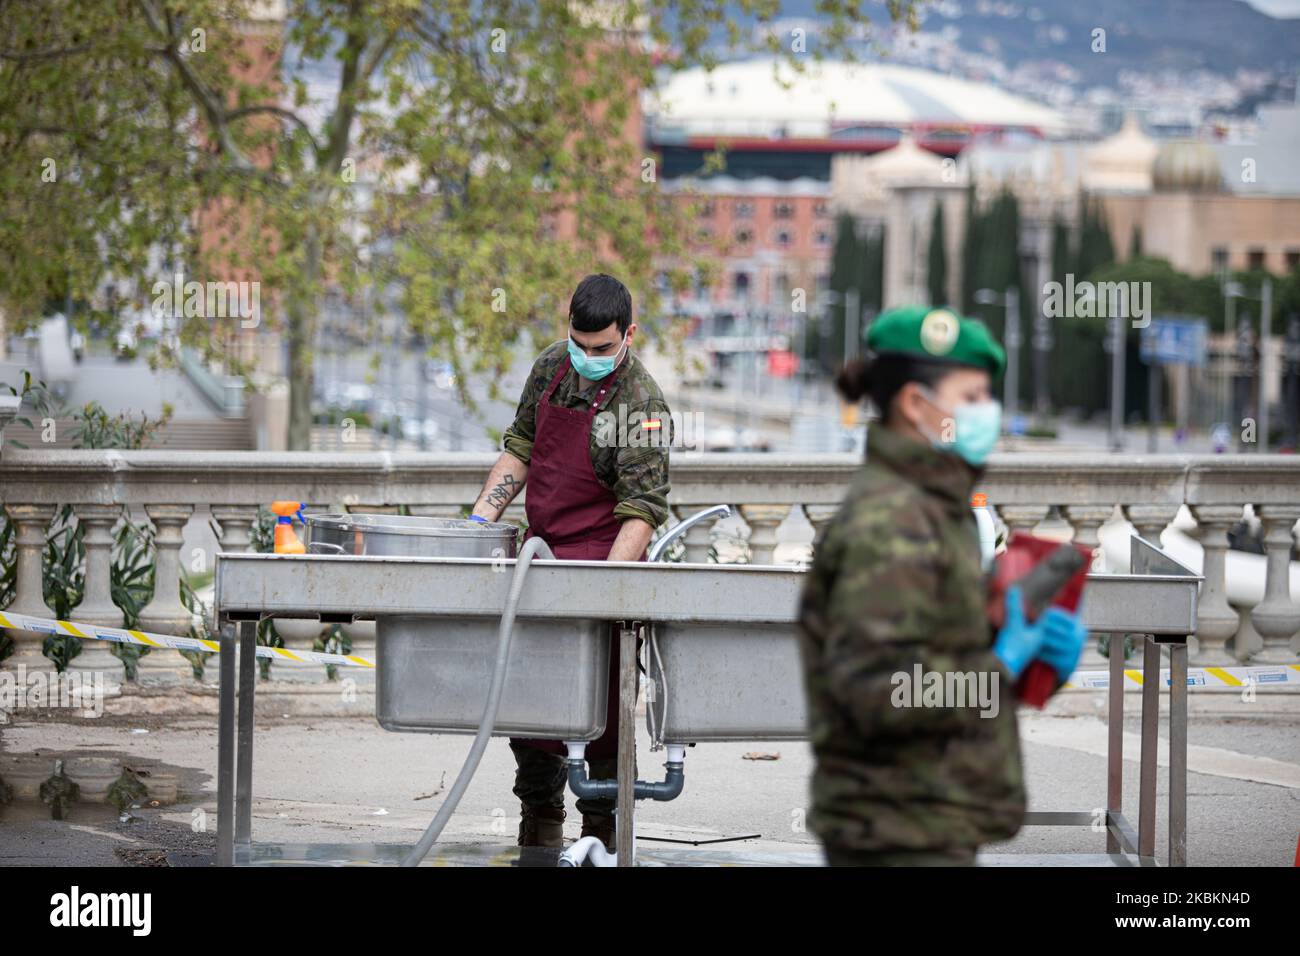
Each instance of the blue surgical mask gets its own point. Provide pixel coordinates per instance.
(593, 367)
(976, 428)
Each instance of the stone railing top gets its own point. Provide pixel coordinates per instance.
(52, 476)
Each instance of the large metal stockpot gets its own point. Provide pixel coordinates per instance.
(409, 536)
(432, 674)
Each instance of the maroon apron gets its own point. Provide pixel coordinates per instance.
(573, 512)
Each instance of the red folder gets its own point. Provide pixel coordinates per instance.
(1050, 574)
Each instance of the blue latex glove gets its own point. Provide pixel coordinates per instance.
(478, 518)
(1063, 638)
(1018, 642)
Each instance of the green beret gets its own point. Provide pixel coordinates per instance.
(936, 334)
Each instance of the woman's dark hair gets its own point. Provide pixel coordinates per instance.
(599, 300)
(880, 377)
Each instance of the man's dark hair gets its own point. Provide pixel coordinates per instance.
(598, 301)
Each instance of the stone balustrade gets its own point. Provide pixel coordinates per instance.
(774, 498)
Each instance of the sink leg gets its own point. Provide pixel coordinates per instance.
(244, 760)
(1178, 754)
(1150, 743)
(226, 749)
(1115, 741)
(627, 677)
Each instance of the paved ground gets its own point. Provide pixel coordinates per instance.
(346, 781)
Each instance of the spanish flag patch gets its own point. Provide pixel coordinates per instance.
(651, 424)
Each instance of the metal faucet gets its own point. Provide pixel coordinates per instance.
(659, 547)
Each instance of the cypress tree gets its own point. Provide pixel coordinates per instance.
(970, 253)
(937, 259)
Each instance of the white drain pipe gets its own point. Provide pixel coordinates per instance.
(588, 848)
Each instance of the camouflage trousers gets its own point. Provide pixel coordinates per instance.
(541, 778)
(844, 856)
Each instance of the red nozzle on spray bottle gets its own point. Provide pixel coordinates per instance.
(286, 539)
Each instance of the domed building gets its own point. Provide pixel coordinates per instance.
(804, 145)
(1186, 166)
(1121, 163)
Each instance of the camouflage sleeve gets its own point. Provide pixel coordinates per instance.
(642, 485)
(884, 613)
(518, 438)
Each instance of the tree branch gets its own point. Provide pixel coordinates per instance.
(16, 57)
(280, 111)
(208, 102)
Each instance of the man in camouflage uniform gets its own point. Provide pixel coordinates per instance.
(896, 581)
(591, 437)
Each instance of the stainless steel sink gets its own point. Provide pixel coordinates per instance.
(727, 682)
(433, 674)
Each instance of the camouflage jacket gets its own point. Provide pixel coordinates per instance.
(895, 585)
(627, 457)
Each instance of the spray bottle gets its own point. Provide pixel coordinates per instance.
(988, 534)
(286, 539)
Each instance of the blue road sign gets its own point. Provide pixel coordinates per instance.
(1171, 341)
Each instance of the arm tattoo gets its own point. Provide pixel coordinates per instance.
(504, 490)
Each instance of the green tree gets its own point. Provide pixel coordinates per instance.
(937, 259)
(873, 281)
(847, 273)
(1095, 247)
(970, 252)
(445, 142)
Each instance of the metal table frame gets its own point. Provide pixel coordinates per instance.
(291, 586)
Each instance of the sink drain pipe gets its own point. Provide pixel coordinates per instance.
(532, 547)
(667, 789)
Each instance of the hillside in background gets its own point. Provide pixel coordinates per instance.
(1143, 36)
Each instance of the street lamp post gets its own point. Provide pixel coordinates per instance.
(1117, 356)
(1265, 334)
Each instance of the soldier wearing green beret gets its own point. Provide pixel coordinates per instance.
(896, 584)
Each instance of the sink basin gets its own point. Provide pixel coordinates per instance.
(433, 676)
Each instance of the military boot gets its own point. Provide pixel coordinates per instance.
(599, 825)
(541, 826)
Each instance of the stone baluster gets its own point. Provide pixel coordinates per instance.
(1216, 619)
(1277, 617)
(1021, 517)
(235, 527)
(235, 523)
(763, 521)
(299, 634)
(1087, 521)
(698, 537)
(819, 516)
(166, 614)
(97, 605)
(30, 524)
(1150, 520)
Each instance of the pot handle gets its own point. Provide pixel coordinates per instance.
(319, 547)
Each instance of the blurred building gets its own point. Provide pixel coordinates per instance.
(874, 140)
